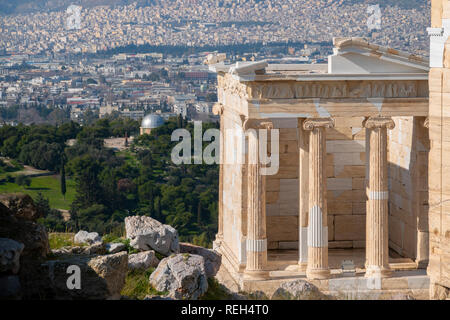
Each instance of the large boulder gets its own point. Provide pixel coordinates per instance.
(32, 235)
(183, 276)
(17, 222)
(87, 237)
(146, 234)
(142, 260)
(115, 247)
(298, 290)
(10, 251)
(102, 278)
(22, 206)
(212, 258)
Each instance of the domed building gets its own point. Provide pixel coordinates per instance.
(150, 122)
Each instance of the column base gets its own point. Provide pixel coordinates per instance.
(217, 242)
(302, 266)
(318, 274)
(256, 275)
(378, 272)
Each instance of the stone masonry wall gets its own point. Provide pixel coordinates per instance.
(408, 146)
(346, 189)
(439, 166)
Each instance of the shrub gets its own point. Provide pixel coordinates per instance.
(22, 180)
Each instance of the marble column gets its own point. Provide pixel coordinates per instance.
(317, 267)
(377, 232)
(303, 172)
(218, 110)
(256, 268)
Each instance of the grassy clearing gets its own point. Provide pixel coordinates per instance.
(137, 285)
(50, 188)
(60, 240)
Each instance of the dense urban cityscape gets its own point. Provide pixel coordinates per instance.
(94, 64)
(213, 23)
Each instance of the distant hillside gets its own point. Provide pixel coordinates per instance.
(27, 6)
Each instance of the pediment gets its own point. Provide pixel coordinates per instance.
(357, 56)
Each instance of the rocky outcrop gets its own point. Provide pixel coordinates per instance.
(87, 237)
(298, 290)
(10, 251)
(32, 235)
(101, 277)
(146, 234)
(95, 249)
(212, 258)
(142, 260)
(22, 206)
(183, 276)
(115, 247)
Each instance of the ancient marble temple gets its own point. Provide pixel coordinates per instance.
(351, 191)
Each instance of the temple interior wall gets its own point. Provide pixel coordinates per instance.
(346, 189)
(408, 146)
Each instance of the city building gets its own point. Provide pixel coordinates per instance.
(150, 122)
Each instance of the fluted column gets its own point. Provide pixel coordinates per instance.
(218, 110)
(303, 172)
(317, 267)
(256, 209)
(377, 232)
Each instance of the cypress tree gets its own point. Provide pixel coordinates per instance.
(63, 180)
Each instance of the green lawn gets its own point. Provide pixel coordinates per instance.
(50, 188)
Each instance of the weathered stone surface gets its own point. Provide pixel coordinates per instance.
(115, 247)
(142, 260)
(183, 276)
(298, 290)
(438, 292)
(212, 258)
(402, 296)
(10, 251)
(146, 234)
(102, 277)
(87, 237)
(22, 206)
(98, 248)
(32, 235)
(10, 287)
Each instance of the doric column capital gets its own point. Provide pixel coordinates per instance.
(218, 109)
(379, 122)
(314, 123)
